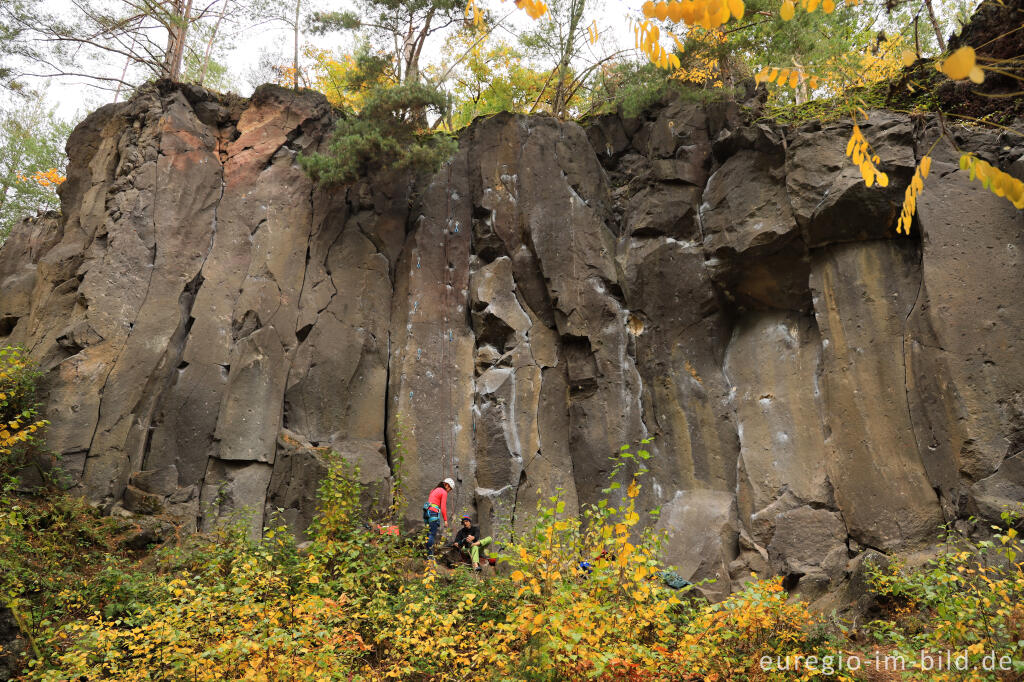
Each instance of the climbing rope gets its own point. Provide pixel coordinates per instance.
(447, 454)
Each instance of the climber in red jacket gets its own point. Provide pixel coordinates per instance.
(436, 510)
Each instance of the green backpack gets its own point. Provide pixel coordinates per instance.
(674, 580)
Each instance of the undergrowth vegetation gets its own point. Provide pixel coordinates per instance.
(579, 596)
(967, 605)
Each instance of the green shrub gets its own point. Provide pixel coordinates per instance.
(969, 601)
(20, 424)
(387, 133)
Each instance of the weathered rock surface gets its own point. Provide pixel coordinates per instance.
(211, 325)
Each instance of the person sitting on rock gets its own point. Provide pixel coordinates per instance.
(469, 541)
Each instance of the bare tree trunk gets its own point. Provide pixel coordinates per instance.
(800, 92)
(178, 25)
(412, 68)
(935, 25)
(180, 52)
(172, 38)
(213, 38)
(560, 104)
(124, 72)
(295, 60)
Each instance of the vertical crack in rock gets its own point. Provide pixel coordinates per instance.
(946, 505)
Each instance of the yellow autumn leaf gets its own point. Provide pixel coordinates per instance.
(518, 576)
(976, 75)
(926, 165)
(1015, 193)
(737, 8)
(908, 58)
(787, 10)
(794, 80)
(867, 173)
(722, 15)
(959, 64)
(882, 179)
(661, 11)
(828, 6)
(648, 9)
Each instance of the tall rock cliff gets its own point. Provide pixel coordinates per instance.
(210, 323)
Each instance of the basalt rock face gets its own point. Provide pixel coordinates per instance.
(213, 325)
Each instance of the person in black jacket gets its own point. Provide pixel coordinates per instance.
(468, 540)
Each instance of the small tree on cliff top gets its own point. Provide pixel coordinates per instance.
(385, 131)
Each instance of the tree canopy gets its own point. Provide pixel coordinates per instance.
(32, 159)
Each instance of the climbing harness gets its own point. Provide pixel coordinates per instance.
(431, 512)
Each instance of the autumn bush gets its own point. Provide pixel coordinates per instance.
(58, 557)
(968, 600)
(580, 595)
(357, 604)
(20, 423)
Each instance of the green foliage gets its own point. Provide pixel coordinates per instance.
(15, 49)
(59, 564)
(397, 461)
(398, 28)
(356, 604)
(969, 600)
(559, 45)
(384, 134)
(338, 509)
(631, 87)
(492, 79)
(31, 142)
(810, 38)
(20, 423)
